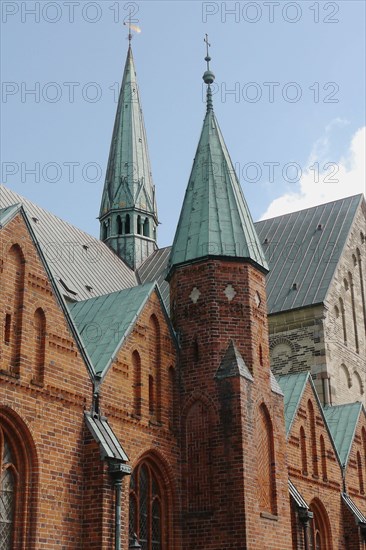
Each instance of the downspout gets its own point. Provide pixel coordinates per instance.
(305, 515)
(117, 470)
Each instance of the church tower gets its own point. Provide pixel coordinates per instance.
(234, 480)
(128, 213)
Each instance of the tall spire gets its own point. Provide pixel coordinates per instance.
(128, 213)
(215, 219)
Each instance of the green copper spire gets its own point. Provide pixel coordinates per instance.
(128, 213)
(215, 219)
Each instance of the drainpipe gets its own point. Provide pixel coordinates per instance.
(305, 516)
(118, 470)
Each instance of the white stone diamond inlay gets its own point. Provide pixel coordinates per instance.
(230, 292)
(257, 299)
(194, 295)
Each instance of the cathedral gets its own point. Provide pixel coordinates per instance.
(205, 396)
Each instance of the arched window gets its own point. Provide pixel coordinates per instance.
(323, 455)
(104, 230)
(304, 459)
(359, 383)
(172, 396)
(360, 474)
(354, 315)
(136, 363)
(127, 225)
(9, 475)
(320, 534)
(361, 277)
(119, 225)
(343, 313)
(314, 453)
(146, 228)
(148, 508)
(15, 267)
(39, 345)
(139, 227)
(18, 483)
(346, 375)
(155, 371)
(266, 461)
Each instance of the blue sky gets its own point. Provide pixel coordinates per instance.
(295, 70)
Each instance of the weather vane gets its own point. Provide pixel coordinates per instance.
(131, 27)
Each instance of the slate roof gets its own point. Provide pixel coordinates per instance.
(304, 248)
(155, 268)
(214, 219)
(342, 422)
(104, 322)
(79, 260)
(292, 386)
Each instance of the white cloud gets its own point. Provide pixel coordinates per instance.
(337, 180)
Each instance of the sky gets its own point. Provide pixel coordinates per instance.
(289, 96)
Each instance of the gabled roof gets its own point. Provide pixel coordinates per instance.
(7, 213)
(360, 518)
(303, 249)
(104, 322)
(296, 495)
(342, 422)
(128, 182)
(110, 447)
(293, 386)
(77, 261)
(215, 219)
(233, 364)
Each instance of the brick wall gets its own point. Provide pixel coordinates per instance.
(46, 411)
(213, 302)
(321, 480)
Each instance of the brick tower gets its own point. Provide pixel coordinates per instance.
(234, 474)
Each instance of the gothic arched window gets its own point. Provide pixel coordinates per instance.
(320, 532)
(39, 345)
(266, 473)
(119, 226)
(15, 268)
(8, 479)
(146, 228)
(147, 508)
(127, 225)
(18, 482)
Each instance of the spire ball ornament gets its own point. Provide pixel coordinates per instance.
(208, 76)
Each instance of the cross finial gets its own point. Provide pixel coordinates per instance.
(129, 27)
(208, 45)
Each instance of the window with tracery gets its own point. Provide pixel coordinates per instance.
(7, 495)
(146, 509)
(320, 532)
